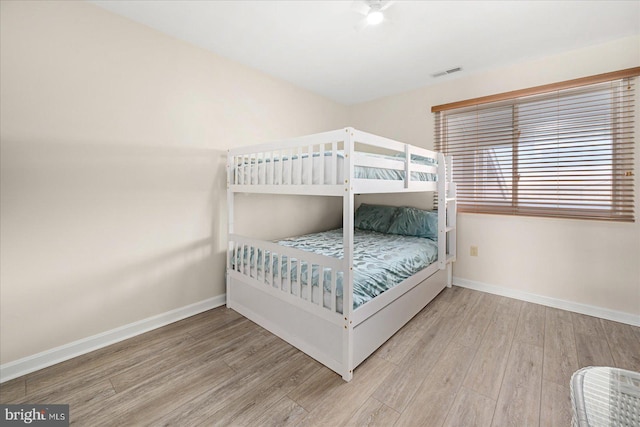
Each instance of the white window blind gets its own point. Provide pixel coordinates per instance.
(567, 153)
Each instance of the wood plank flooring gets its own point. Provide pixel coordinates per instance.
(467, 359)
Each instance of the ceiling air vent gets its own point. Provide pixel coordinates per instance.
(444, 73)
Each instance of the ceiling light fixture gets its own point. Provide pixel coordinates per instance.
(375, 15)
(372, 12)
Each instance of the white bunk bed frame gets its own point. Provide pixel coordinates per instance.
(339, 337)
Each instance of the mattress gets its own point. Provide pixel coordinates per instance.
(286, 170)
(381, 261)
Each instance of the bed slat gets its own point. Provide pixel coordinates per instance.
(321, 171)
(310, 168)
(334, 162)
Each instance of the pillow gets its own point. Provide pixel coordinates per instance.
(415, 222)
(374, 217)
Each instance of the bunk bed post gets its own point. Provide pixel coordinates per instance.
(442, 212)
(230, 198)
(347, 237)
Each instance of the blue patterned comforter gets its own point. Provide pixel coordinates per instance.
(381, 261)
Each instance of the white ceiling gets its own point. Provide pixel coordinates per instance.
(313, 44)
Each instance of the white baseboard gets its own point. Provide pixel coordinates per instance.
(589, 310)
(50, 357)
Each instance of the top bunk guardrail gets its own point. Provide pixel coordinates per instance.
(325, 164)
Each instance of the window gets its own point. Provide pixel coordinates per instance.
(565, 153)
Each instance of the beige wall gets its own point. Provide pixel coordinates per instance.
(112, 177)
(587, 262)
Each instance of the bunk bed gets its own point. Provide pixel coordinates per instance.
(307, 290)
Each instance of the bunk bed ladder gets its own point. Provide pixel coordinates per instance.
(447, 210)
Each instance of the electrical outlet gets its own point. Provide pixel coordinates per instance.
(474, 251)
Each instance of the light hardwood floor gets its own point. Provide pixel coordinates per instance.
(467, 359)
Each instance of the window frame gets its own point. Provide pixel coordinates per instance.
(620, 196)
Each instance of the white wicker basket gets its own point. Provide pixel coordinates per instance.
(603, 396)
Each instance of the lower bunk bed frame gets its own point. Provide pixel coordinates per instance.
(338, 337)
